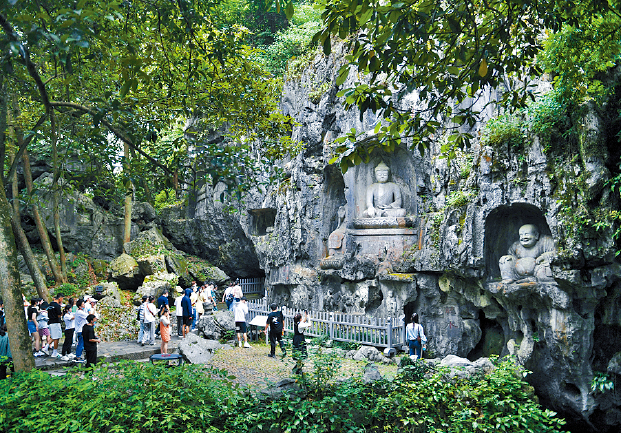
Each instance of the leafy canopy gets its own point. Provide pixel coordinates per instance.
(135, 69)
(449, 52)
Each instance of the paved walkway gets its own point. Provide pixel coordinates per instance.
(114, 351)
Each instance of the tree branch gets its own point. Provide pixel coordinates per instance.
(117, 132)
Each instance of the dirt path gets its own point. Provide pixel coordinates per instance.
(252, 366)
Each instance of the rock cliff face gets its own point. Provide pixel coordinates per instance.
(442, 259)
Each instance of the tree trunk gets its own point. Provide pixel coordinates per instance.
(56, 201)
(19, 340)
(24, 246)
(43, 235)
(128, 197)
(31, 261)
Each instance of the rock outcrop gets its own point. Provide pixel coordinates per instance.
(560, 316)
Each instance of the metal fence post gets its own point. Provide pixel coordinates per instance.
(331, 327)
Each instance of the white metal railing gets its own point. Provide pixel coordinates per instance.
(356, 328)
(252, 285)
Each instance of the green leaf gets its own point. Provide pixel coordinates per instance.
(289, 10)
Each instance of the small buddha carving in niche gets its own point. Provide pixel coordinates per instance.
(529, 257)
(383, 198)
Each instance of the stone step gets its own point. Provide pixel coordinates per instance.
(112, 352)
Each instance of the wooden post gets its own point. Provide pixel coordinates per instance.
(390, 333)
(331, 326)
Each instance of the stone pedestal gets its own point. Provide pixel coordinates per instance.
(391, 242)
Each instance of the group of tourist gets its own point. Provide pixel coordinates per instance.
(44, 326)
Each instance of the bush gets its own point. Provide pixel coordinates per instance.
(67, 290)
(295, 41)
(137, 397)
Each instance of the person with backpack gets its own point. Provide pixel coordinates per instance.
(275, 323)
(415, 336)
(228, 297)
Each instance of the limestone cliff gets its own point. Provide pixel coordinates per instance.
(461, 217)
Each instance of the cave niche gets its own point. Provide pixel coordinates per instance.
(501, 230)
(261, 221)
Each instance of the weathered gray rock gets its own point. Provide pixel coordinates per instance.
(371, 374)
(206, 230)
(150, 265)
(124, 270)
(148, 243)
(109, 301)
(85, 226)
(216, 325)
(154, 285)
(197, 350)
(108, 290)
(614, 366)
(285, 386)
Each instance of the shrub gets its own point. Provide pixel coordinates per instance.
(136, 397)
(295, 41)
(67, 290)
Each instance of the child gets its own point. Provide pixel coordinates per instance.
(164, 329)
(275, 322)
(69, 318)
(44, 331)
(90, 340)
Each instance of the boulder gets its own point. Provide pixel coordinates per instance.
(178, 264)
(197, 350)
(109, 301)
(154, 285)
(202, 271)
(369, 353)
(108, 290)
(124, 270)
(150, 265)
(276, 391)
(148, 243)
(215, 326)
(371, 374)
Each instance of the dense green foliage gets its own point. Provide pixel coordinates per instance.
(136, 397)
(138, 73)
(451, 52)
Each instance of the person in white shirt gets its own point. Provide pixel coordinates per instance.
(179, 311)
(69, 318)
(150, 320)
(240, 309)
(80, 321)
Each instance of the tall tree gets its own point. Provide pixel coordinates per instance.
(447, 51)
(9, 271)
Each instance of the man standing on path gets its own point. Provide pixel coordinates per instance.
(55, 314)
(228, 297)
(240, 309)
(179, 311)
(275, 322)
(80, 321)
(141, 319)
(90, 340)
(186, 306)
